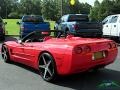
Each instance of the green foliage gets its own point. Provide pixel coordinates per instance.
(101, 10)
(50, 9)
(14, 15)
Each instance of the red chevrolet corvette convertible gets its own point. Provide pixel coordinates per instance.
(61, 55)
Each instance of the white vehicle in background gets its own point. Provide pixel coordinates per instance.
(111, 26)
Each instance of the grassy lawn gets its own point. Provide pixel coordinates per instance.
(13, 29)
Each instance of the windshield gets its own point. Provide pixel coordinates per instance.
(33, 19)
(106, 20)
(78, 18)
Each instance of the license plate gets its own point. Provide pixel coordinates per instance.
(98, 55)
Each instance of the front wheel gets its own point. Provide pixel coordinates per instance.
(5, 54)
(47, 67)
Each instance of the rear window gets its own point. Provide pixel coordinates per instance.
(32, 19)
(78, 18)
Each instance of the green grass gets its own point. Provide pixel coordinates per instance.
(13, 29)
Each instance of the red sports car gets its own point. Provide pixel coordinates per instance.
(61, 55)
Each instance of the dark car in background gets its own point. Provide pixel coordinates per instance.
(80, 25)
(2, 29)
(30, 23)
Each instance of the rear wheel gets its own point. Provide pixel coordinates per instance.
(96, 69)
(67, 32)
(47, 67)
(119, 39)
(5, 54)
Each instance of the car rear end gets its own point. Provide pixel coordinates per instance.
(84, 27)
(89, 55)
(33, 23)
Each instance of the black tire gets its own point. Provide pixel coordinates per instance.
(96, 69)
(3, 38)
(5, 54)
(47, 67)
(67, 32)
(119, 39)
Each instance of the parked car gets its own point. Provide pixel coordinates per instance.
(2, 29)
(32, 23)
(80, 25)
(53, 56)
(111, 26)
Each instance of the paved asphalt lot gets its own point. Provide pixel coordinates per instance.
(19, 77)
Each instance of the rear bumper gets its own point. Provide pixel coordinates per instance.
(24, 33)
(80, 63)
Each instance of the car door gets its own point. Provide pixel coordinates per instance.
(114, 26)
(17, 52)
(107, 26)
(29, 53)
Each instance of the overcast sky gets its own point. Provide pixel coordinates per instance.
(91, 2)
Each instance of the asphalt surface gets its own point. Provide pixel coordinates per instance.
(16, 76)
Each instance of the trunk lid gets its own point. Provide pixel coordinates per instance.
(76, 41)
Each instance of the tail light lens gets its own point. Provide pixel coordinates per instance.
(78, 50)
(44, 32)
(112, 45)
(82, 49)
(87, 49)
(109, 45)
(76, 27)
(23, 28)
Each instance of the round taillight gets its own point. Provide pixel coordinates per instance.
(114, 45)
(87, 49)
(78, 50)
(109, 45)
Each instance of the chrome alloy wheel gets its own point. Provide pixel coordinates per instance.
(5, 53)
(47, 67)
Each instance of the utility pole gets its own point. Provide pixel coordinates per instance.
(6, 11)
(0, 11)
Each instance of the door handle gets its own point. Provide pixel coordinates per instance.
(114, 25)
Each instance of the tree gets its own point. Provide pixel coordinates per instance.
(30, 7)
(5, 6)
(50, 9)
(94, 11)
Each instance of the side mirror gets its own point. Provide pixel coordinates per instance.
(5, 23)
(18, 23)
